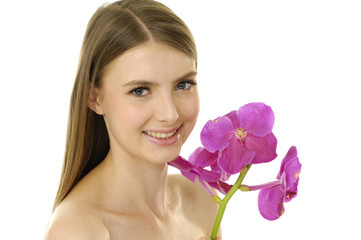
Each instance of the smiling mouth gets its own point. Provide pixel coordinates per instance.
(160, 135)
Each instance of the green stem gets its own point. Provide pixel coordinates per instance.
(223, 203)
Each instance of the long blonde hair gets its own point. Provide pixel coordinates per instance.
(113, 29)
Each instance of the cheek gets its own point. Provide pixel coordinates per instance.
(132, 117)
(190, 108)
(125, 116)
(137, 115)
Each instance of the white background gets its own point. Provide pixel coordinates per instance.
(303, 58)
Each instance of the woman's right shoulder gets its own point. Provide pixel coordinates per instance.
(72, 220)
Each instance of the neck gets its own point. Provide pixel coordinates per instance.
(135, 187)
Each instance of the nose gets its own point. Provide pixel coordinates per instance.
(166, 110)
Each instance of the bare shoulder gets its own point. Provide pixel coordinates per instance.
(193, 194)
(201, 206)
(72, 220)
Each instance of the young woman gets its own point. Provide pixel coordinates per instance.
(134, 103)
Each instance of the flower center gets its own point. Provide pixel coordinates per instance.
(240, 134)
(290, 195)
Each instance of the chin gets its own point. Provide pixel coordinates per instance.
(162, 155)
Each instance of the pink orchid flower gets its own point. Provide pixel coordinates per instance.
(193, 172)
(241, 137)
(233, 143)
(272, 195)
(270, 200)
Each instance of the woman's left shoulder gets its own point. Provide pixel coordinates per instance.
(197, 204)
(193, 193)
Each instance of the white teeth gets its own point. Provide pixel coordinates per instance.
(160, 135)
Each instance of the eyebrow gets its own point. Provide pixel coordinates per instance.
(150, 83)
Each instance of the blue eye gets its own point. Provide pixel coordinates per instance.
(141, 91)
(185, 85)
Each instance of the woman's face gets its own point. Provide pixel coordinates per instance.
(149, 100)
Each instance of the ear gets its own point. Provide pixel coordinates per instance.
(93, 100)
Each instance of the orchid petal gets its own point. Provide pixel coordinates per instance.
(215, 135)
(292, 191)
(203, 158)
(190, 175)
(209, 176)
(224, 175)
(270, 203)
(263, 186)
(235, 157)
(291, 154)
(193, 157)
(256, 118)
(234, 119)
(293, 170)
(291, 166)
(181, 164)
(222, 187)
(264, 147)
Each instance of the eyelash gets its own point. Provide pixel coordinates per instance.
(190, 82)
(137, 89)
(142, 88)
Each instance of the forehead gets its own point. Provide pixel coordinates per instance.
(149, 61)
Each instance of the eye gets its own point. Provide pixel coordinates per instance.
(185, 85)
(140, 91)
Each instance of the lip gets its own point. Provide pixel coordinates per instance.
(164, 142)
(164, 131)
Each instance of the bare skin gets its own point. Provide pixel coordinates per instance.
(147, 90)
(88, 212)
